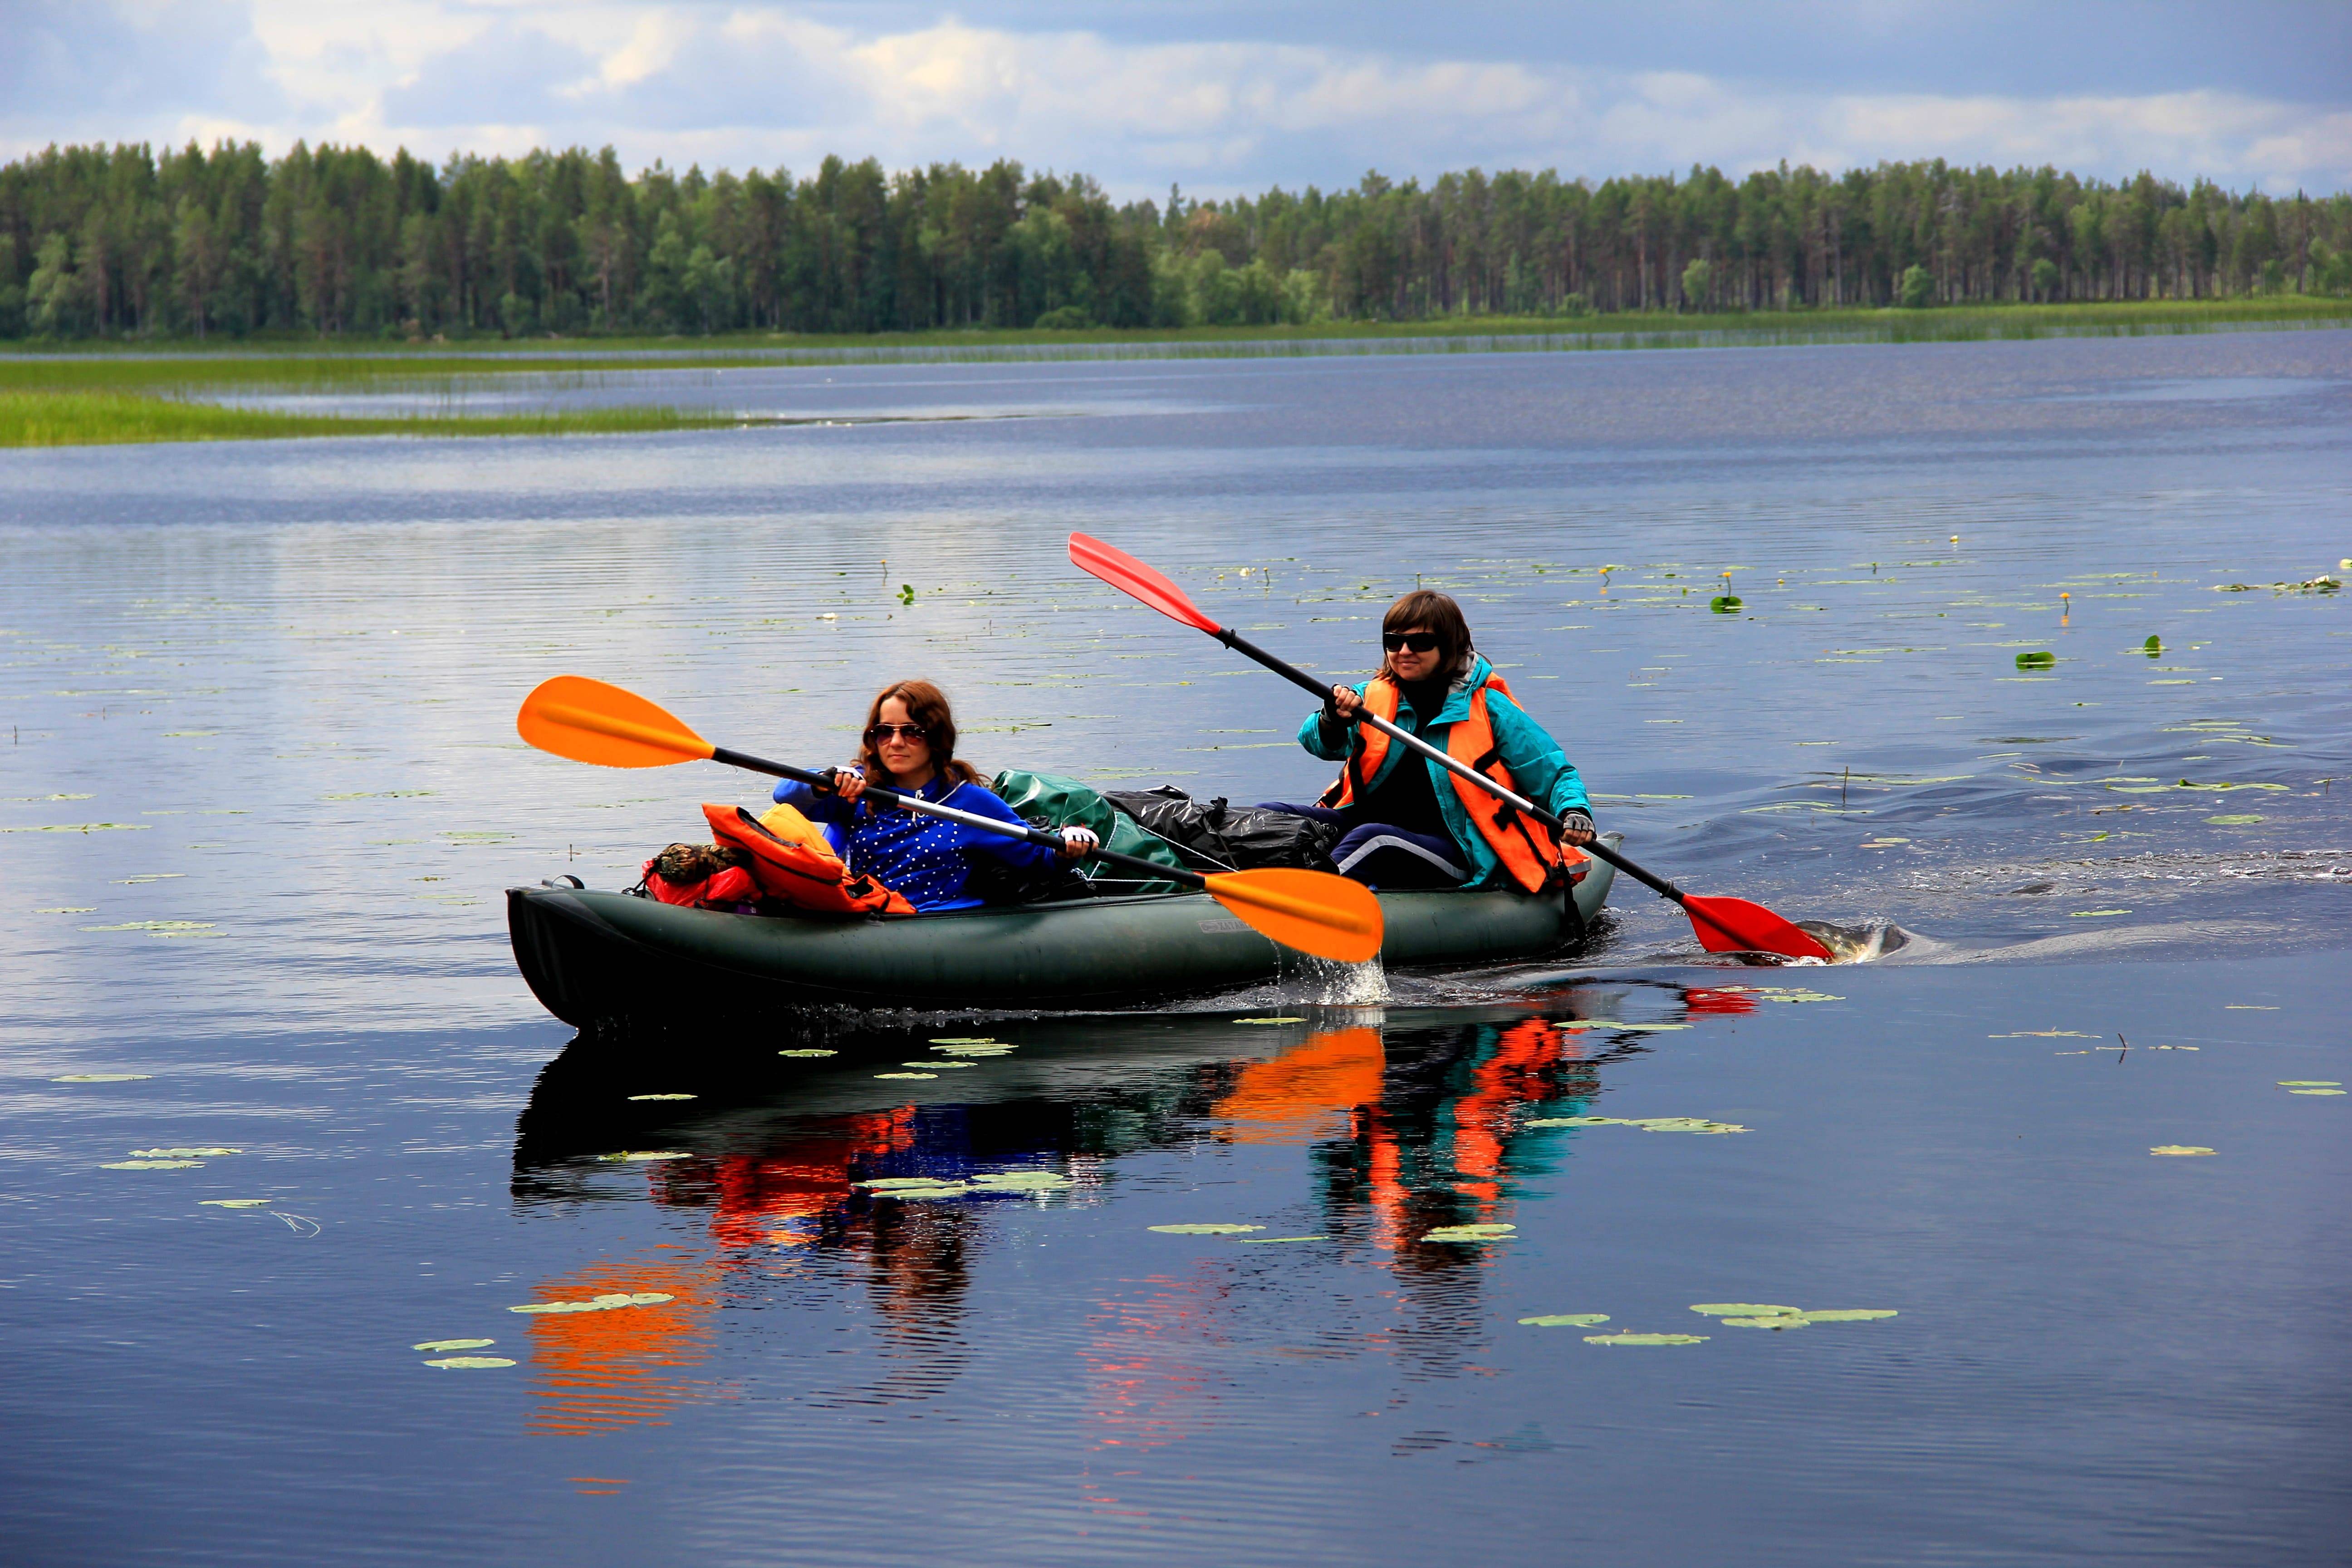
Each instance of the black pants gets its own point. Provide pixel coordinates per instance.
(1381, 855)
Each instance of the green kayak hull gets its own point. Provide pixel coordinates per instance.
(593, 957)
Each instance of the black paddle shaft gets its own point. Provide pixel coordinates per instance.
(823, 782)
(1292, 673)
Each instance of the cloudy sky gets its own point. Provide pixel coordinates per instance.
(1220, 95)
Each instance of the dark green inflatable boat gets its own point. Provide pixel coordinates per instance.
(593, 957)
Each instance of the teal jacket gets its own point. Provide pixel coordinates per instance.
(1539, 767)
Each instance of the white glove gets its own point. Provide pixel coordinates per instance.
(1077, 841)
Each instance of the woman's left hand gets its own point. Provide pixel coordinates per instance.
(1078, 842)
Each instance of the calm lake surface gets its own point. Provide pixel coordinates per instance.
(263, 793)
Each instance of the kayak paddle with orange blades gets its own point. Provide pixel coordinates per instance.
(590, 721)
(1722, 925)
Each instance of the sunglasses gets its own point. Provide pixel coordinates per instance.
(1418, 642)
(881, 732)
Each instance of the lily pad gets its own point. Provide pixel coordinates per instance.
(975, 1050)
(1022, 1181)
(1211, 1228)
(2309, 1083)
(2180, 1149)
(808, 1053)
(1684, 1124)
(611, 1302)
(2043, 659)
(1645, 1339)
(965, 1040)
(1485, 1232)
(452, 1344)
(1566, 1321)
(1742, 1310)
(1269, 1020)
(639, 1156)
(1849, 1314)
(906, 1075)
(1576, 1121)
(942, 1065)
(104, 1078)
(662, 1097)
(237, 1203)
(1776, 1321)
(469, 1362)
(180, 1154)
(897, 1183)
(150, 1164)
(920, 1194)
(2315, 1091)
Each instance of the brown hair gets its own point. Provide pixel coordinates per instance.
(925, 705)
(1428, 607)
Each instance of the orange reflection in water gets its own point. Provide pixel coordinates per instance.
(1306, 1092)
(599, 1370)
(1510, 1075)
(758, 1193)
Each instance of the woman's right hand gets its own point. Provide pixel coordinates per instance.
(848, 783)
(1346, 704)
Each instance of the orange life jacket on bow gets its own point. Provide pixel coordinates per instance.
(1523, 846)
(790, 860)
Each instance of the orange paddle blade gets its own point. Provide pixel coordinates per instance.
(1735, 925)
(1129, 575)
(1314, 911)
(590, 721)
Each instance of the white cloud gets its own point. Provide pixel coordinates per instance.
(764, 84)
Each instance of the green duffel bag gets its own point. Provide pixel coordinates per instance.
(1049, 800)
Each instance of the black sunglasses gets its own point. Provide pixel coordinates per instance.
(1418, 642)
(878, 733)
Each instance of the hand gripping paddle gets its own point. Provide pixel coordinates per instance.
(1722, 925)
(589, 721)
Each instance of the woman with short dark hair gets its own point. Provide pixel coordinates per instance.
(1411, 824)
(908, 744)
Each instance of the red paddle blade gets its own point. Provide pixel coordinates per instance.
(1735, 925)
(1129, 575)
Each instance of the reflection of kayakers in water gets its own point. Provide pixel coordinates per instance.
(1410, 823)
(910, 745)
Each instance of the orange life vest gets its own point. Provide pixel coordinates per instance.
(790, 860)
(1525, 850)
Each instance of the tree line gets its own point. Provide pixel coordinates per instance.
(99, 241)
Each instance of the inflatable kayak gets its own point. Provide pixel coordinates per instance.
(592, 956)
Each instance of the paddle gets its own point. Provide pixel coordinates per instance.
(1723, 925)
(589, 721)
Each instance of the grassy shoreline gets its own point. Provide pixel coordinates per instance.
(85, 394)
(93, 418)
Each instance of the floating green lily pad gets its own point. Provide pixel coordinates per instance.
(452, 1344)
(808, 1053)
(2309, 1083)
(1645, 1339)
(1575, 1122)
(1211, 1228)
(1726, 604)
(469, 1362)
(895, 1183)
(1777, 1320)
(2043, 659)
(639, 1156)
(611, 1302)
(943, 1066)
(906, 1075)
(1486, 1232)
(1683, 1124)
(1022, 1181)
(920, 1194)
(2180, 1149)
(104, 1078)
(1269, 1020)
(2238, 819)
(150, 1164)
(2315, 1091)
(974, 1050)
(235, 1203)
(662, 1097)
(1742, 1310)
(1566, 1321)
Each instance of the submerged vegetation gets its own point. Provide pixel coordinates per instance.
(336, 242)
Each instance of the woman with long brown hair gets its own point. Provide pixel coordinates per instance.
(1410, 823)
(908, 744)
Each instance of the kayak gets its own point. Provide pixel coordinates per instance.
(596, 956)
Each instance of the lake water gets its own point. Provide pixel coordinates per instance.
(263, 791)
